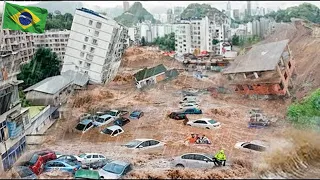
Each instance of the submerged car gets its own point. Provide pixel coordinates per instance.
(24, 172)
(62, 165)
(194, 160)
(86, 174)
(68, 158)
(115, 170)
(205, 123)
(121, 121)
(96, 165)
(136, 115)
(253, 146)
(112, 130)
(142, 144)
(188, 106)
(192, 111)
(87, 158)
(177, 116)
(85, 125)
(103, 120)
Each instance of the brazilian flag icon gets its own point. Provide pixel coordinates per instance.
(24, 18)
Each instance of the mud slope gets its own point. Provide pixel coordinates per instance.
(305, 50)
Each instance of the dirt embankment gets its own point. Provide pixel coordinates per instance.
(305, 50)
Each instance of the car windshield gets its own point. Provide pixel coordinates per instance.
(71, 163)
(113, 168)
(112, 113)
(212, 121)
(133, 144)
(107, 131)
(100, 120)
(134, 114)
(82, 155)
(80, 127)
(34, 159)
(24, 172)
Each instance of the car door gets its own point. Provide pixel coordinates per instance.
(88, 126)
(145, 145)
(60, 166)
(115, 133)
(203, 161)
(198, 123)
(87, 159)
(95, 158)
(127, 170)
(188, 160)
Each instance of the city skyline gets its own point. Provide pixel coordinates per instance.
(149, 5)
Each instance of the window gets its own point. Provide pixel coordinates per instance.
(96, 33)
(3, 126)
(86, 72)
(95, 156)
(80, 62)
(86, 39)
(200, 122)
(95, 42)
(81, 54)
(88, 65)
(152, 142)
(188, 156)
(250, 87)
(89, 156)
(145, 144)
(115, 132)
(200, 157)
(84, 47)
(89, 57)
(100, 156)
(90, 22)
(98, 25)
(92, 50)
(289, 64)
(285, 76)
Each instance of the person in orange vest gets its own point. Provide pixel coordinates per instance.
(192, 139)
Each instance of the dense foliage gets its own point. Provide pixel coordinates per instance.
(244, 40)
(59, 21)
(43, 64)
(143, 41)
(135, 14)
(305, 11)
(200, 10)
(166, 43)
(306, 112)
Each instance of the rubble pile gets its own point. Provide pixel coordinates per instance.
(123, 78)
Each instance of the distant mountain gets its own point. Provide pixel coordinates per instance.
(62, 6)
(200, 10)
(135, 14)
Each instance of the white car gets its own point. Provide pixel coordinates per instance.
(88, 158)
(142, 144)
(194, 160)
(253, 146)
(103, 120)
(205, 123)
(188, 105)
(115, 170)
(113, 131)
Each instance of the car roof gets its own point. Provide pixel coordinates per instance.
(92, 154)
(122, 163)
(59, 160)
(204, 154)
(86, 121)
(114, 127)
(145, 139)
(205, 119)
(136, 111)
(105, 116)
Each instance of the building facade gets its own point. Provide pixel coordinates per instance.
(55, 40)
(96, 44)
(126, 6)
(203, 34)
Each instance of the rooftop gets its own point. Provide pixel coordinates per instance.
(93, 13)
(77, 78)
(34, 110)
(264, 57)
(149, 72)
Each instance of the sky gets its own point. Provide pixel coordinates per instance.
(149, 5)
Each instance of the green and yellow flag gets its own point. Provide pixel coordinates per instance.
(24, 18)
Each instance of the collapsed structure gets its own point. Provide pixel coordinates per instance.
(265, 70)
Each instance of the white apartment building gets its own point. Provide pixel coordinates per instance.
(95, 46)
(55, 40)
(199, 32)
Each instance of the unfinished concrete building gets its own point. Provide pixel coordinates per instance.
(265, 70)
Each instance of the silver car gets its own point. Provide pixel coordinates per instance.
(194, 160)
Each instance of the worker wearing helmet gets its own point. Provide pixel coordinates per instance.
(221, 157)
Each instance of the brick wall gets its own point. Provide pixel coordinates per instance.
(261, 89)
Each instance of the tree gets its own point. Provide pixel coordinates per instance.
(235, 40)
(59, 21)
(44, 64)
(143, 41)
(166, 43)
(215, 41)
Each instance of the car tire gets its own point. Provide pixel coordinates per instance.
(180, 166)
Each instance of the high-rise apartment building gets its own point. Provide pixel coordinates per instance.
(95, 46)
(55, 40)
(248, 10)
(170, 16)
(126, 6)
(199, 33)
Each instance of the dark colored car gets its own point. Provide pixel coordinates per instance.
(68, 158)
(191, 111)
(136, 115)
(177, 116)
(35, 164)
(24, 172)
(121, 121)
(96, 165)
